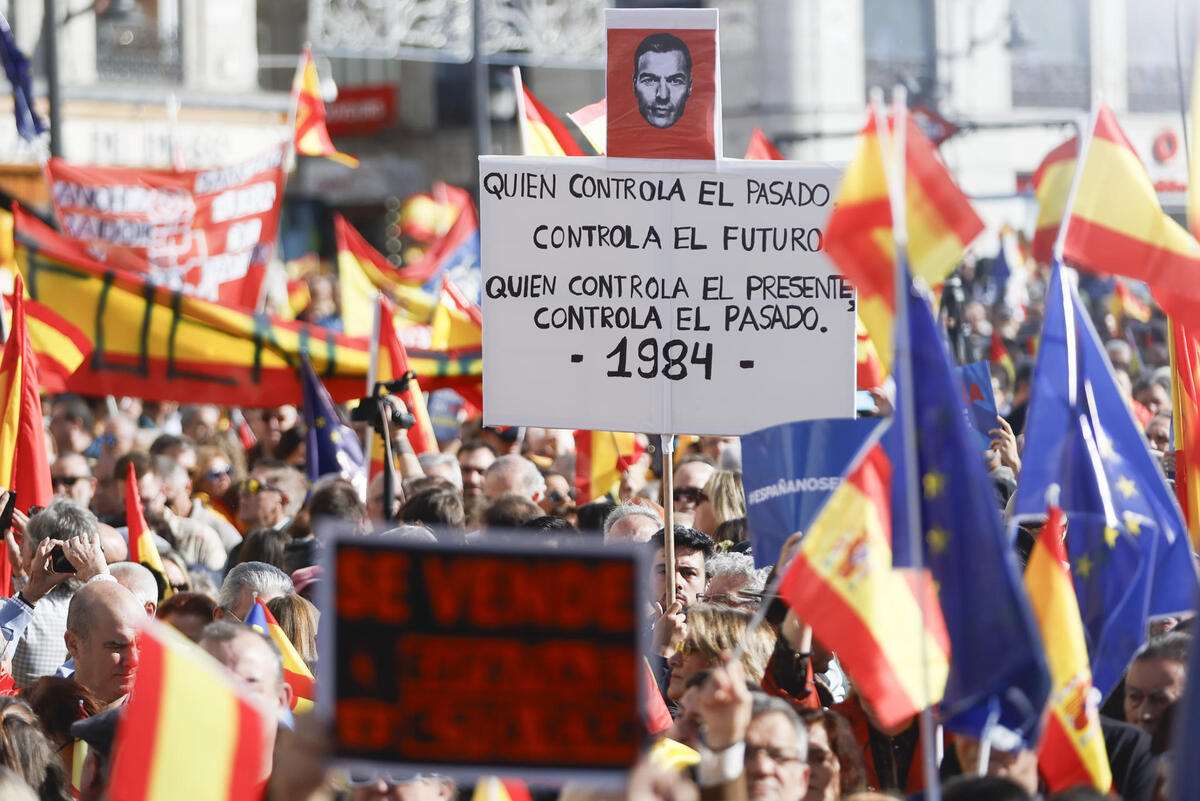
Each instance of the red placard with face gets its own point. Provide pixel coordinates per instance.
(662, 93)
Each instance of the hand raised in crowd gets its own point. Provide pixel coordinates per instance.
(86, 553)
(1004, 443)
(670, 630)
(40, 570)
(724, 704)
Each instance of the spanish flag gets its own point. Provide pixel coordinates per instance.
(60, 347)
(425, 219)
(999, 355)
(492, 788)
(1117, 225)
(1072, 749)
(859, 606)
(24, 467)
(189, 729)
(760, 147)
(142, 549)
(542, 134)
(312, 137)
(592, 120)
(1051, 183)
(363, 271)
(601, 457)
(393, 363)
(858, 237)
(457, 322)
(1126, 304)
(295, 671)
(162, 345)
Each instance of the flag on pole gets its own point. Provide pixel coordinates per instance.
(330, 446)
(1051, 184)
(1072, 749)
(863, 608)
(295, 670)
(393, 363)
(189, 724)
(24, 466)
(1128, 546)
(491, 788)
(142, 549)
(16, 68)
(456, 252)
(311, 135)
(363, 271)
(61, 348)
(1126, 304)
(601, 458)
(592, 120)
(940, 220)
(457, 322)
(542, 134)
(998, 354)
(761, 148)
(998, 678)
(1117, 226)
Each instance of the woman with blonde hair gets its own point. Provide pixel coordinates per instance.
(298, 618)
(723, 499)
(28, 752)
(712, 629)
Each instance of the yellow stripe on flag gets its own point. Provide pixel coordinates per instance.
(199, 702)
(9, 424)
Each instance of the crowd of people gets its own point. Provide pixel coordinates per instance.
(760, 710)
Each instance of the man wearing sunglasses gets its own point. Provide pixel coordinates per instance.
(71, 475)
(690, 477)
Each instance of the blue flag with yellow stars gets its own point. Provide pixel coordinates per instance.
(998, 680)
(1126, 539)
(330, 446)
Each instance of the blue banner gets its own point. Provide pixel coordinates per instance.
(976, 380)
(789, 471)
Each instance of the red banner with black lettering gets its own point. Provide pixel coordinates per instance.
(207, 233)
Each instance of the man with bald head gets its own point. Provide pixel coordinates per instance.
(102, 625)
(138, 580)
(71, 475)
(516, 474)
(113, 544)
(252, 656)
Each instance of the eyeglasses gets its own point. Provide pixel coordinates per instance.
(557, 497)
(776, 755)
(366, 778)
(213, 475)
(66, 481)
(689, 494)
(252, 486)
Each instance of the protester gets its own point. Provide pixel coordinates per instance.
(712, 630)
(722, 499)
(189, 612)
(298, 618)
(1154, 684)
(631, 523)
(247, 582)
(834, 761)
(102, 628)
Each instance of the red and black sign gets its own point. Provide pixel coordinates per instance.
(500, 658)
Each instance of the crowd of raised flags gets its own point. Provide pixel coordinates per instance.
(908, 573)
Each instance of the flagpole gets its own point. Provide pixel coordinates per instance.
(294, 106)
(894, 164)
(668, 481)
(372, 377)
(519, 85)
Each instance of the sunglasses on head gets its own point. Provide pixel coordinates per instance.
(252, 486)
(689, 494)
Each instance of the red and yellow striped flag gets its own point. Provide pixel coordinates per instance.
(142, 549)
(760, 147)
(188, 728)
(60, 347)
(1051, 183)
(492, 788)
(1126, 304)
(862, 608)
(999, 355)
(312, 137)
(457, 322)
(363, 271)
(592, 120)
(542, 134)
(393, 363)
(1117, 225)
(24, 466)
(295, 670)
(601, 457)
(858, 238)
(1072, 749)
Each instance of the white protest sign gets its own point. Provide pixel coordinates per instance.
(677, 300)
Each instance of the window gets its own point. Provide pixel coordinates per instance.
(1052, 69)
(1153, 76)
(138, 41)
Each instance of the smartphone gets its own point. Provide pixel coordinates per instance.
(59, 562)
(7, 515)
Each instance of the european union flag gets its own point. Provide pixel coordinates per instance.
(16, 67)
(1126, 539)
(330, 446)
(998, 674)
